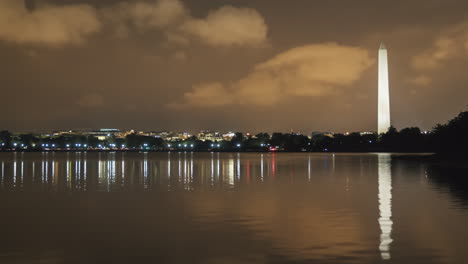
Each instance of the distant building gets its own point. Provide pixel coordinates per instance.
(327, 134)
(228, 136)
(209, 136)
(171, 136)
(104, 133)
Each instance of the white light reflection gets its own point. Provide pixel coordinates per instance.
(212, 169)
(34, 171)
(53, 174)
(218, 167)
(3, 172)
(169, 165)
(46, 171)
(191, 167)
(145, 170)
(333, 163)
(67, 179)
(84, 173)
(308, 169)
(100, 169)
(261, 167)
(78, 176)
(112, 172)
(238, 166)
(230, 172)
(180, 168)
(123, 169)
(14, 171)
(43, 169)
(385, 204)
(22, 170)
(77, 171)
(185, 169)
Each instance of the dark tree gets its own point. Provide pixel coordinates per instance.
(5, 137)
(452, 138)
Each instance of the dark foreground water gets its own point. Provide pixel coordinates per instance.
(229, 208)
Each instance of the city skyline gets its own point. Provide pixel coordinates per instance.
(233, 131)
(190, 70)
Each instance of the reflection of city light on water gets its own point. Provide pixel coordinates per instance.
(22, 170)
(3, 173)
(385, 204)
(180, 167)
(191, 167)
(261, 167)
(230, 172)
(145, 170)
(14, 171)
(212, 169)
(238, 166)
(169, 165)
(218, 167)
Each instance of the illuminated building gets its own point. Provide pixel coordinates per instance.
(326, 134)
(228, 136)
(384, 93)
(209, 136)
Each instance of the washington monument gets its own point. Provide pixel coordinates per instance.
(384, 94)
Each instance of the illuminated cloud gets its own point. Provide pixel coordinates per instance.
(143, 16)
(48, 24)
(307, 71)
(226, 26)
(210, 94)
(177, 38)
(421, 80)
(229, 26)
(442, 50)
(24, 23)
(449, 44)
(180, 56)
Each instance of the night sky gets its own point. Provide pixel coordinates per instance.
(241, 65)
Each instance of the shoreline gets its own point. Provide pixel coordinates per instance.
(398, 153)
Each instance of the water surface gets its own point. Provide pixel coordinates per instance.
(229, 208)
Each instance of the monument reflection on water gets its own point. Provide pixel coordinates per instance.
(264, 207)
(385, 204)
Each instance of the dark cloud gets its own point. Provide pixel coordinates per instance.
(30, 5)
(48, 25)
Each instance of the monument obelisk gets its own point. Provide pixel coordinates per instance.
(384, 93)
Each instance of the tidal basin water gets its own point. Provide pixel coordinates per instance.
(230, 208)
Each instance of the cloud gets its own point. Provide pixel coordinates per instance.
(90, 101)
(177, 38)
(307, 71)
(48, 24)
(229, 26)
(144, 16)
(421, 80)
(158, 14)
(449, 44)
(180, 56)
(443, 49)
(209, 94)
(25, 23)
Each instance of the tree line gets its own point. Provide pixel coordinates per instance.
(451, 137)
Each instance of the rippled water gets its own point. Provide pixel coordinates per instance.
(229, 208)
